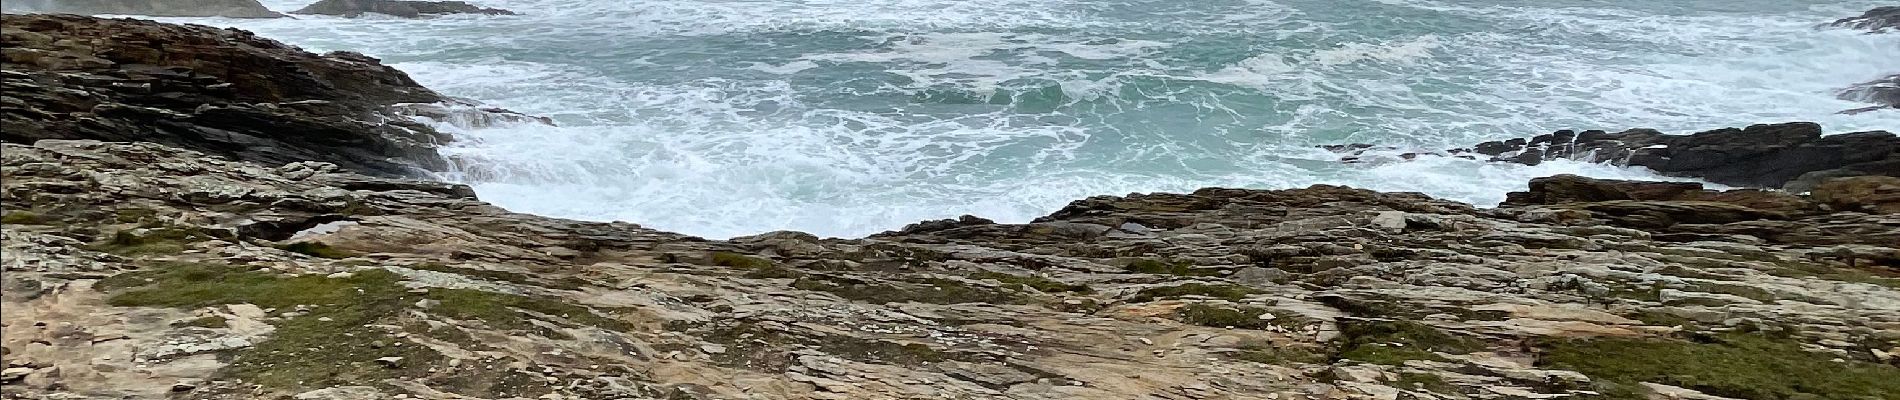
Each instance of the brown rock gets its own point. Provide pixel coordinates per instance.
(1875, 194)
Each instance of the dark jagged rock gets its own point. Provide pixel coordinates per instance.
(1793, 156)
(221, 91)
(155, 8)
(1883, 91)
(1879, 19)
(399, 8)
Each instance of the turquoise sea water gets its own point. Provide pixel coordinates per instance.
(842, 118)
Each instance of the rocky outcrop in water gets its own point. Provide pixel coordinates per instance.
(399, 8)
(1793, 156)
(155, 8)
(220, 91)
(144, 271)
(1883, 91)
(1879, 19)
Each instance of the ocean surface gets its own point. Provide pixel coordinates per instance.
(849, 117)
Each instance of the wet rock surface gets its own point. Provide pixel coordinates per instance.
(155, 8)
(145, 271)
(1884, 91)
(1879, 19)
(1793, 156)
(226, 92)
(399, 8)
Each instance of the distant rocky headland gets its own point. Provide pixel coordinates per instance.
(201, 213)
(248, 8)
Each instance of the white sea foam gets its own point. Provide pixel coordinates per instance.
(844, 118)
(1408, 51)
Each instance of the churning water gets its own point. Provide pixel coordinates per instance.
(846, 117)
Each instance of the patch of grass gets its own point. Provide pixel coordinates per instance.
(1167, 267)
(1739, 365)
(22, 218)
(1395, 342)
(928, 290)
(1219, 291)
(158, 240)
(317, 249)
(326, 347)
(332, 344)
(1220, 316)
(1041, 284)
(194, 285)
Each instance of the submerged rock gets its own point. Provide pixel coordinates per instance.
(399, 8)
(154, 8)
(1883, 91)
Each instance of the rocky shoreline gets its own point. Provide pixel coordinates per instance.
(148, 254)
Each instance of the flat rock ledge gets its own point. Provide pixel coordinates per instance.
(140, 270)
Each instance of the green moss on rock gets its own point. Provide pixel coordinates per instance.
(1395, 342)
(1738, 365)
(22, 218)
(1242, 317)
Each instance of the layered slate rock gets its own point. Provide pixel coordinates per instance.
(221, 91)
(137, 270)
(1794, 156)
(399, 8)
(155, 8)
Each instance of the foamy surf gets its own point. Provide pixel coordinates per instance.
(847, 118)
